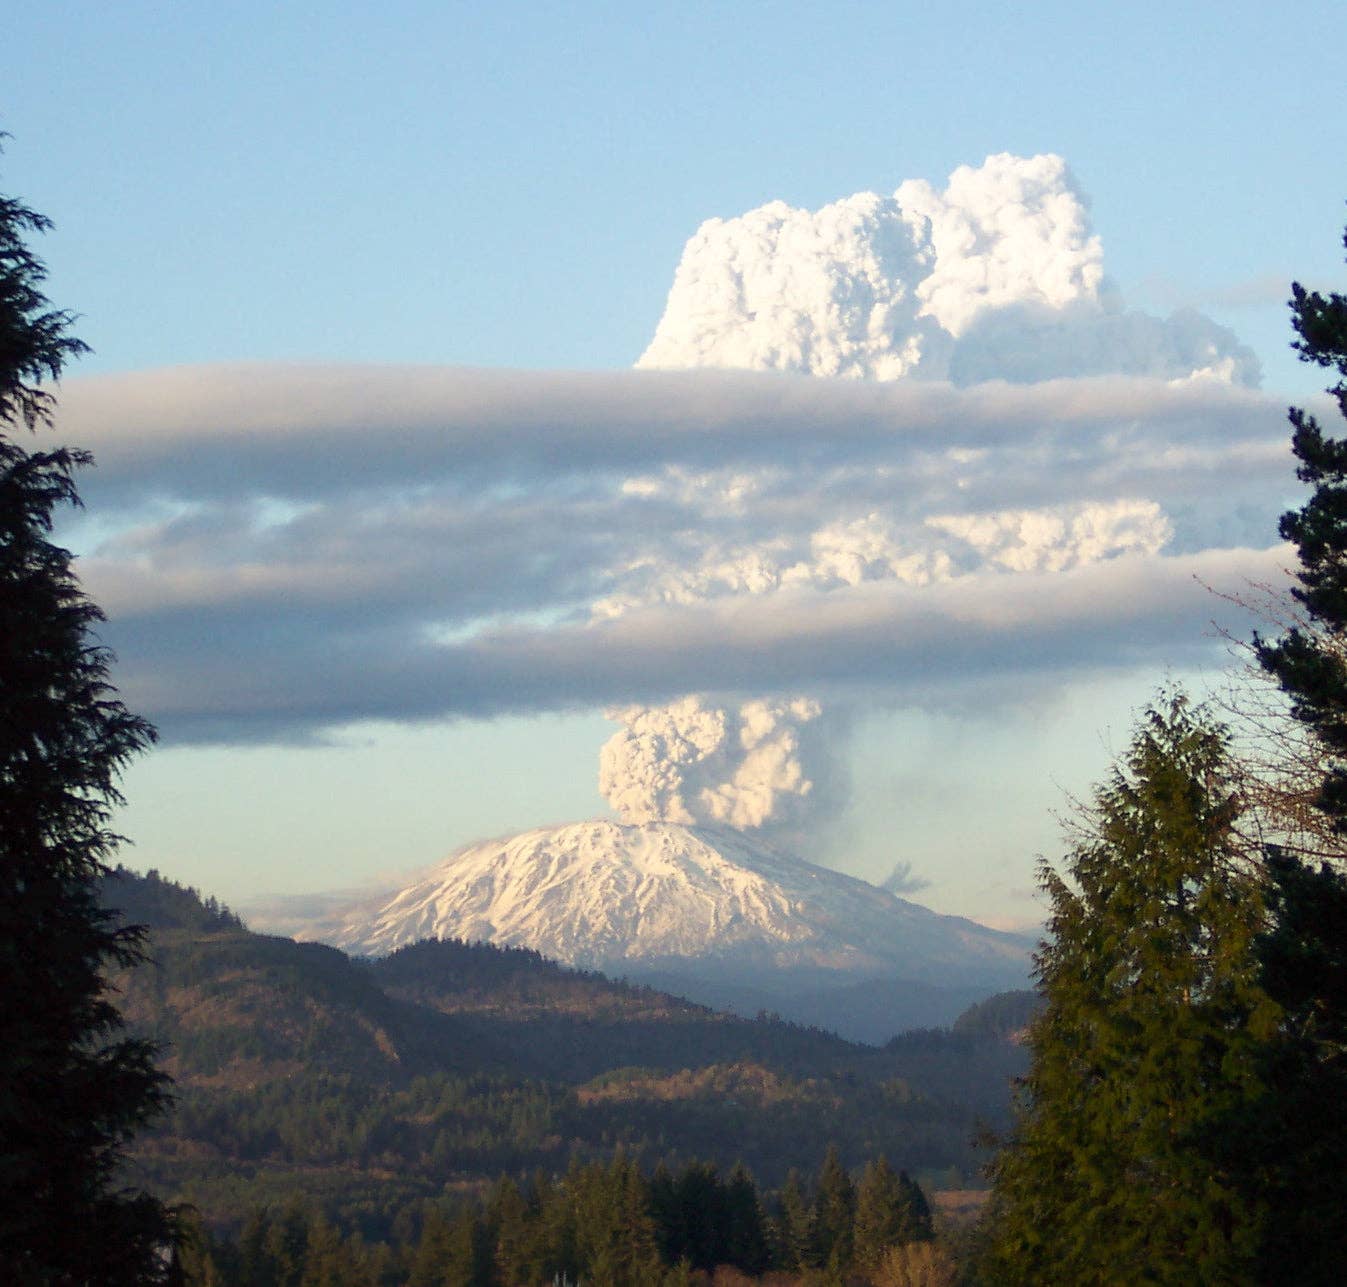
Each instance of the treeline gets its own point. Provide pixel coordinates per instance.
(152, 899)
(333, 1137)
(609, 1224)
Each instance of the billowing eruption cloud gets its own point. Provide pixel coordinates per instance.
(691, 763)
(997, 277)
(288, 551)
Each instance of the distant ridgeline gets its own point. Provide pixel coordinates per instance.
(368, 1088)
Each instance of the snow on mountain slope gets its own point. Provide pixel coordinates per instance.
(608, 895)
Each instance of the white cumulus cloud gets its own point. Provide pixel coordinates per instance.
(1014, 230)
(996, 276)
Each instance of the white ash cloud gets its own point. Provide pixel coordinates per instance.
(997, 276)
(694, 763)
(827, 292)
(1015, 230)
(1058, 537)
(285, 550)
(873, 547)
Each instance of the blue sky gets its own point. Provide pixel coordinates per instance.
(437, 183)
(511, 187)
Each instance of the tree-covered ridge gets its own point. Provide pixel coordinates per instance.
(153, 900)
(1007, 1016)
(301, 1070)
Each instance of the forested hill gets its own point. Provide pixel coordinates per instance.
(368, 1085)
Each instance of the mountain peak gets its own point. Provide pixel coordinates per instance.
(625, 896)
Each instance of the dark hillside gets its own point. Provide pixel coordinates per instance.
(240, 1009)
(575, 1025)
(369, 1085)
(1004, 1017)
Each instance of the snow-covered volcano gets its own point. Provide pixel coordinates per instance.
(657, 896)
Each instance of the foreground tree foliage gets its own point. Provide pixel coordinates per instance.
(1152, 1039)
(1304, 953)
(72, 1089)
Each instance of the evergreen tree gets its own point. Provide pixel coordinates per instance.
(1310, 662)
(469, 1259)
(73, 1090)
(700, 1217)
(795, 1226)
(891, 1210)
(834, 1212)
(434, 1251)
(327, 1259)
(667, 1214)
(1297, 1143)
(510, 1221)
(1150, 1043)
(285, 1245)
(614, 1232)
(745, 1224)
(1304, 954)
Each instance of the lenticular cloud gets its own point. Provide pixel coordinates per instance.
(997, 277)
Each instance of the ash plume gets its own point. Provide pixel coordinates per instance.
(996, 276)
(1020, 477)
(690, 762)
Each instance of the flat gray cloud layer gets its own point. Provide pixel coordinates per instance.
(284, 550)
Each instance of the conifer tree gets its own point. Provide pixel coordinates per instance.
(468, 1262)
(1304, 953)
(1310, 662)
(746, 1227)
(834, 1211)
(434, 1251)
(510, 1220)
(795, 1226)
(891, 1210)
(1151, 1040)
(73, 1090)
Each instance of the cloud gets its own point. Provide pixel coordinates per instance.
(997, 276)
(827, 292)
(272, 572)
(689, 763)
(717, 555)
(1012, 231)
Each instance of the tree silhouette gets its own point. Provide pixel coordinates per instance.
(72, 1088)
(1304, 954)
